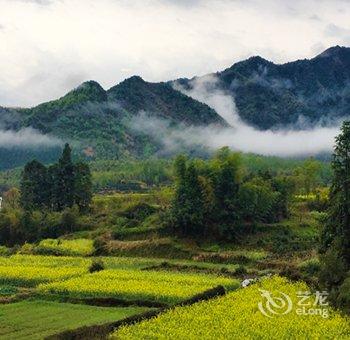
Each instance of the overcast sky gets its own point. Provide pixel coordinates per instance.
(49, 47)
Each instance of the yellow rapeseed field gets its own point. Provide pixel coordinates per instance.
(31, 275)
(30, 270)
(237, 316)
(165, 287)
(44, 261)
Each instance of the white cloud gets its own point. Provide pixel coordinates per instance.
(239, 136)
(48, 47)
(26, 138)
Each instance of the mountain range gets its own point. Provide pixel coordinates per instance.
(269, 95)
(100, 123)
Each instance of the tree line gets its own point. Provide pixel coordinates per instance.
(335, 238)
(49, 203)
(59, 186)
(217, 199)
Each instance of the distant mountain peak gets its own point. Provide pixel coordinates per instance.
(334, 51)
(91, 84)
(252, 63)
(89, 90)
(258, 59)
(125, 85)
(133, 80)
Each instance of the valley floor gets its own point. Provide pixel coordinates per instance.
(60, 285)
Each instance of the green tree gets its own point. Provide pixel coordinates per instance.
(12, 198)
(188, 209)
(337, 230)
(64, 192)
(34, 186)
(60, 186)
(285, 187)
(308, 175)
(83, 186)
(195, 201)
(54, 187)
(335, 238)
(225, 178)
(11, 232)
(180, 167)
(257, 201)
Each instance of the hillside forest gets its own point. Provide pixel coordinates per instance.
(192, 208)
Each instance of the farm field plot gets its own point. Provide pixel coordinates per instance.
(37, 319)
(123, 278)
(110, 262)
(31, 275)
(44, 261)
(166, 287)
(52, 261)
(237, 316)
(30, 270)
(82, 247)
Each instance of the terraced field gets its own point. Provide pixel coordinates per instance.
(237, 316)
(35, 278)
(45, 281)
(31, 275)
(38, 319)
(138, 285)
(123, 278)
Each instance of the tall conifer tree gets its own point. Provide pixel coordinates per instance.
(34, 186)
(65, 178)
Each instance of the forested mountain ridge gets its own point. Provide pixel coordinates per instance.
(89, 102)
(99, 122)
(161, 100)
(294, 94)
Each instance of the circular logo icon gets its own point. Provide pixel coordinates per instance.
(274, 305)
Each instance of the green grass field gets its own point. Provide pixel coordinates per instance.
(38, 319)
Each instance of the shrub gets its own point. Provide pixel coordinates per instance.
(8, 290)
(311, 266)
(4, 251)
(27, 249)
(333, 269)
(343, 299)
(139, 211)
(241, 270)
(51, 225)
(319, 216)
(101, 244)
(319, 201)
(69, 219)
(96, 266)
(292, 272)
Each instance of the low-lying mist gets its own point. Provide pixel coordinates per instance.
(27, 138)
(239, 136)
(245, 138)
